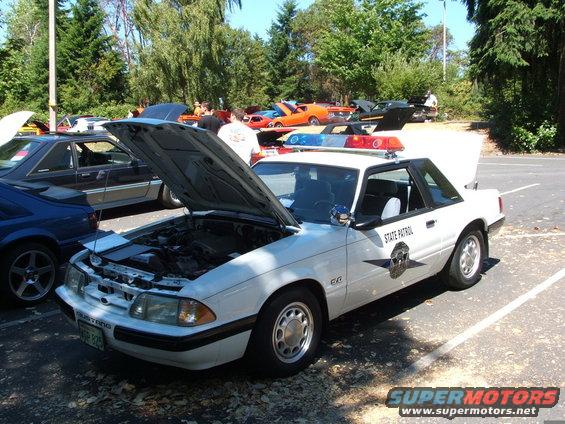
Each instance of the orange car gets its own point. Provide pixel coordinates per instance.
(308, 114)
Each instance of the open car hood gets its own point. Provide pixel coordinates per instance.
(363, 105)
(11, 124)
(203, 172)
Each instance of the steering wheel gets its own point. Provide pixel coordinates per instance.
(321, 202)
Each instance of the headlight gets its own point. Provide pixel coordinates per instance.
(75, 280)
(171, 310)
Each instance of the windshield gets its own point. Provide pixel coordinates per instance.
(309, 191)
(15, 151)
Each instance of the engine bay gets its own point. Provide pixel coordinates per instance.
(192, 249)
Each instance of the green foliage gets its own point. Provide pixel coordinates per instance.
(246, 68)
(288, 67)
(460, 99)
(543, 138)
(400, 78)
(517, 53)
(358, 36)
(92, 73)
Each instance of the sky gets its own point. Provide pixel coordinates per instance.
(256, 17)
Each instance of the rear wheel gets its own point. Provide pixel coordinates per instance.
(28, 273)
(464, 267)
(279, 125)
(287, 334)
(168, 199)
(313, 121)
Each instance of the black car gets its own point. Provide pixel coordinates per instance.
(387, 115)
(95, 164)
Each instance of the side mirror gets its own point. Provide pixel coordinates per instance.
(340, 215)
(369, 222)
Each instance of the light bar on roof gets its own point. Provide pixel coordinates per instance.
(347, 143)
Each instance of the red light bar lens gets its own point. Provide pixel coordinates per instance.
(390, 144)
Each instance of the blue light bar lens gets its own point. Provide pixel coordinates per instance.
(317, 140)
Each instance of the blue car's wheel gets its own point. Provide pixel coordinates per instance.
(29, 272)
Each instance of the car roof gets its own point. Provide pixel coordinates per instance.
(54, 138)
(343, 160)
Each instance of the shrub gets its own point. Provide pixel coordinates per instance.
(543, 138)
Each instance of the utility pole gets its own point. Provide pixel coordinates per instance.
(444, 40)
(52, 67)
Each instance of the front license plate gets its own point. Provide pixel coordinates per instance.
(91, 335)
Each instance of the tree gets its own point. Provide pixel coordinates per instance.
(289, 68)
(436, 43)
(179, 56)
(518, 52)
(358, 34)
(246, 69)
(92, 72)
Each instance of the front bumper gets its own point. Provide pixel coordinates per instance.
(177, 346)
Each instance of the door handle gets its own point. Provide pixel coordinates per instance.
(85, 175)
(431, 223)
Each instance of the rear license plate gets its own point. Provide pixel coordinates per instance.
(271, 152)
(92, 336)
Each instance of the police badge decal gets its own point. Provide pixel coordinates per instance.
(399, 261)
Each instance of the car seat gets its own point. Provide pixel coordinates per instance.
(380, 199)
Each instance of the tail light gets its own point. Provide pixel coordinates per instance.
(93, 220)
(500, 204)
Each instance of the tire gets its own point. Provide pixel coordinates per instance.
(274, 355)
(463, 270)
(313, 121)
(278, 125)
(28, 273)
(168, 199)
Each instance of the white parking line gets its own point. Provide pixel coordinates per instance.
(29, 319)
(519, 189)
(508, 164)
(430, 358)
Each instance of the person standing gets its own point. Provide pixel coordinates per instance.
(197, 109)
(240, 137)
(208, 121)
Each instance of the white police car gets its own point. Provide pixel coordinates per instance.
(266, 257)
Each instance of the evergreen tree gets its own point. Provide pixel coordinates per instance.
(92, 73)
(518, 52)
(289, 69)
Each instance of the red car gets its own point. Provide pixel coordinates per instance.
(256, 121)
(271, 144)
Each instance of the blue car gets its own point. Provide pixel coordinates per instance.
(40, 227)
(271, 114)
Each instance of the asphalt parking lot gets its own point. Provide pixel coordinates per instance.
(506, 331)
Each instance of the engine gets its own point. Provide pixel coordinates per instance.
(182, 252)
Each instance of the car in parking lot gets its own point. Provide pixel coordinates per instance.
(96, 164)
(269, 255)
(256, 121)
(304, 114)
(40, 228)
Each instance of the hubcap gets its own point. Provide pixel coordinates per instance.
(31, 275)
(293, 331)
(470, 258)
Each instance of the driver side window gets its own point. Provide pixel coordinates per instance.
(390, 194)
(100, 153)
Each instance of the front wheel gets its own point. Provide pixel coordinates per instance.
(464, 267)
(168, 199)
(278, 125)
(287, 334)
(28, 273)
